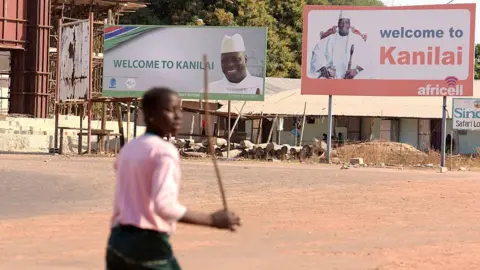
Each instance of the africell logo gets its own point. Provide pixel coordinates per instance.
(452, 89)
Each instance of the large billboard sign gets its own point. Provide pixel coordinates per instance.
(137, 58)
(388, 51)
(466, 113)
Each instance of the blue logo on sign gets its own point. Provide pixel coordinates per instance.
(113, 83)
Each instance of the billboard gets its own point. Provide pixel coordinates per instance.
(388, 51)
(137, 58)
(466, 113)
(74, 61)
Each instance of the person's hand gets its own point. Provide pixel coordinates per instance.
(225, 220)
(351, 73)
(327, 72)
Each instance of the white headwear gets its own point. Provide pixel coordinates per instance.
(233, 44)
(342, 15)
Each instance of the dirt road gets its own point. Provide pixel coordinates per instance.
(54, 214)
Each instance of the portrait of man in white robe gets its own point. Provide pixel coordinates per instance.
(237, 79)
(341, 52)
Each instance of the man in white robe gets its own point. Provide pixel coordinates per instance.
(341, 52)
(237, 79)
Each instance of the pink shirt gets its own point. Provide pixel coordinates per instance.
(148, 179)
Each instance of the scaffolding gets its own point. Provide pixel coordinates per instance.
(67, 11)
(76, 66)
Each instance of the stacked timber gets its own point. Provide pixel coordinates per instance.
(247, 150)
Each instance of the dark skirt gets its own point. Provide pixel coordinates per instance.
(132, 248)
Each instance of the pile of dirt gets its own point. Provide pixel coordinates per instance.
(378, 151)
(378, 146)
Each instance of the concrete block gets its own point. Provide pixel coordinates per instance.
(357, 161)
(335, 160)
(443, 169)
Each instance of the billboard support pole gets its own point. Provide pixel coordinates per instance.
(229, 126)
(90, 89)
(57, 82)
(135, 119)
(444, 132)
(330, 122)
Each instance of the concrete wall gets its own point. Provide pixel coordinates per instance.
(409, 131)
(3, 100)
(37, 135)
(468, 143)
(320, 127)
(310, 132)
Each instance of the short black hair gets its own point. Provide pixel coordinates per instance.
(156, 98)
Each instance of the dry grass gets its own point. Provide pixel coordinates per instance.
(392, 153)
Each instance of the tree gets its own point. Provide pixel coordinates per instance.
(477, 62)
(284, 19)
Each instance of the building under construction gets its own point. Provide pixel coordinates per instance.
(28, 43)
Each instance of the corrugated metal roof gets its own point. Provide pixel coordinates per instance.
(290, 103)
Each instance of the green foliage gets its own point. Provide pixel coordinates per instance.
(282, 17)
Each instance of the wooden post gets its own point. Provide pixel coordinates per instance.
(101, 143)
(259, 130)
(303, 123)
(278, 136)
(295, 128)
(57, 116)
(192, 126)
(451, 150)
(129, 104)
(80, 137)
(200, 120)
(271, 128)
(90, 88)
(57, 87)
(236, 120)
(120, 125)
(135, 120)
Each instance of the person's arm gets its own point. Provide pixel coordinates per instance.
(197, 218)
(221, 219)
(361, 58)
(318, 59)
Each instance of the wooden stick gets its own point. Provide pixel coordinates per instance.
(271, 128)
(259, 129)
(303, 123)
(120, 124)
(210, 139)
(239, 115)
(129, 104)
(101, 144)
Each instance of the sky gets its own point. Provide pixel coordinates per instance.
(433, 2)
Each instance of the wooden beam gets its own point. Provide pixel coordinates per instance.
(120, 125)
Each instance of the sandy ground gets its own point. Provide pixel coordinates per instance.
(54, 214)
